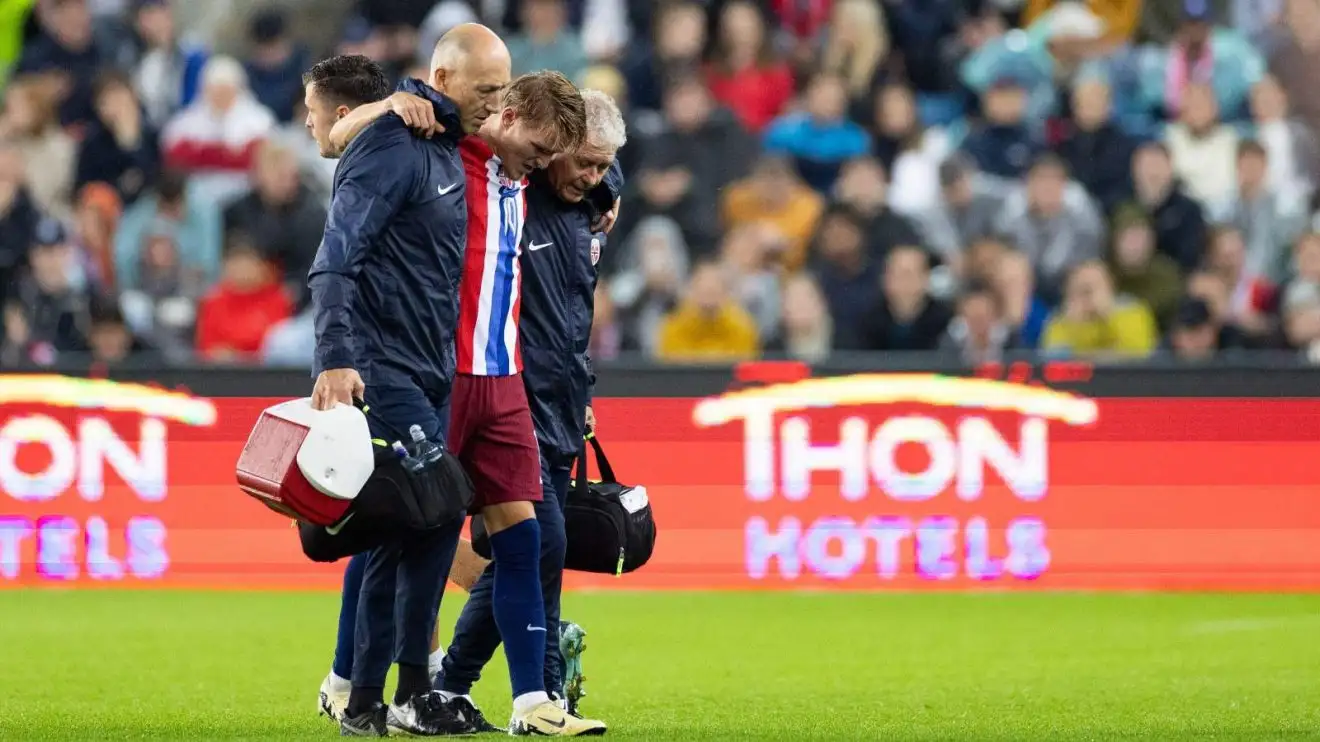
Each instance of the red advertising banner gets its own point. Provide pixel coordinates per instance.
(858, 483)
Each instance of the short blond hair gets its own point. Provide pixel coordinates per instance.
(548, 99)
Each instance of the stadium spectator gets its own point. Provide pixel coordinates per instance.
(291, 343)
(1004, 145)
(95, 221)
(1120, 17)
(1200, 54)
(774, 194)
(53, 296)
(745, 73)
(699, 150)
(232, 320)
(1023, 311)
(1293, 151)
(49, 154)
(177, 208)
(1204, 151)
(18, 216)
(805, 331)
(1295, 59)
(1214, 291)
(65, 50)
(161, 301)
(606, 332)
(979, 263)
(280, 216)
(931, 37)
(709, 325)
(276, 63)
(965, 212)
(907, 317)
(120, 148)
(864, 189)
(1054, 222)
(653, 271)
(112, 342)
(911, 152)
(1094, 322)
(1252, 297)
(1195, 333)
(1268, 222)
(546, 42)
(750, 255)
(1180, 228)
(819, 138)
(856, 48)
(214, 139)
(167, 74)
(977, 334)
(1139, 270)
(677, 41)
(1097, 150)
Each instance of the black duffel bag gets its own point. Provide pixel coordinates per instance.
(610, 527)
(394, 503)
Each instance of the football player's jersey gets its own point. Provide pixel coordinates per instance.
(489, 295)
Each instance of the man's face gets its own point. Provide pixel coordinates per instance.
(1091, 104)
(475, 85)
(978, 311)
(72, 23)
(321, 117)
(1133, 246)
(906, 275)
(707, 290)
(50, 267)
(575, 174)
(526, 146)
(110, 341)
(1045, 189)
(688, 106)
(277, 177)
(220, 96)
(1194, 342)
(1151, 172)
(1308, 259)
(1251, 170)
(1005, 104)
(155, 23)
(827, 100)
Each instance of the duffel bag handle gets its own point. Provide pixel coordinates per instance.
(602, 463)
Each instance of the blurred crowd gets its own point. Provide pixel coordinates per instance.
(1111, 179)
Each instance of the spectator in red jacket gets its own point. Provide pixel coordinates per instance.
(249, 300)
(745, 74)
(214, 139)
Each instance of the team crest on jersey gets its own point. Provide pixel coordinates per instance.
(595, 250)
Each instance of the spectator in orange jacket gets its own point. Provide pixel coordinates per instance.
(235, 315)
(709, 325)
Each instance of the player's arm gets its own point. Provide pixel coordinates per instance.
(417, 113)
(374, 183)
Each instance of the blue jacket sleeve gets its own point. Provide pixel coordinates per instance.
(373, 183)
(591, 378)
(603, 196)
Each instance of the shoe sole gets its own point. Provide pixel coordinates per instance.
(527, 732)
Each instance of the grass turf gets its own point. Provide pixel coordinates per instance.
(101, 665)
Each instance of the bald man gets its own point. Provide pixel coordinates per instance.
(537, 117)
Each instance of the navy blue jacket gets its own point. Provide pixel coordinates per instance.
(384, 283)
(558, 299)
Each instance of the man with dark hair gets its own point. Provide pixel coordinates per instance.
(535, 118)
(385, 301)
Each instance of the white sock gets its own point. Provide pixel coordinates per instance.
(451, 696)
(528, 701)
(338, 684)
(433, 662)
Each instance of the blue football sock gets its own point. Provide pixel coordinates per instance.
(519, 611)
(348, 606)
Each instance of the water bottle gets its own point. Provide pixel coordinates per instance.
(428, 452)
(409, 463)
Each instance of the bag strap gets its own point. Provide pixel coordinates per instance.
(602, 463)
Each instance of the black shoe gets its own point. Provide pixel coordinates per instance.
(426, 715)
(472, 716)
(368, 724)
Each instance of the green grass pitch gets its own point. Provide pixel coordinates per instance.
(109, 665)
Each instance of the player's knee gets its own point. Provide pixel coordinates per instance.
(505, 515)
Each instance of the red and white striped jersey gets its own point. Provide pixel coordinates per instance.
(490, 292)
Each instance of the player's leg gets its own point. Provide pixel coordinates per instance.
(476, 637)
(423, 569)
(333, 698)
(550, 516)
(514, 463)
(373, 642)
